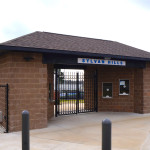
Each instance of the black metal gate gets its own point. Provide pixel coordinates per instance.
(4, 108)
(75, 92)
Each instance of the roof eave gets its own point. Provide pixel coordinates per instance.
(79, 54)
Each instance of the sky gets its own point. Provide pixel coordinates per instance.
(124, 21)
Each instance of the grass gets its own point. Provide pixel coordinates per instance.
(70, 100)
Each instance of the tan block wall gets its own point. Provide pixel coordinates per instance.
(138, 91)
(50, 105)
(27, 88)
(4, 76)
(5, 61)
(89, 88)
(139, 99)
(118, 103)
(146, 89)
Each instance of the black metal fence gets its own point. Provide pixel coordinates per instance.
(4, 108)
(75, 93)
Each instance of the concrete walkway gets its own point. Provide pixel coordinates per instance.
(130, 131)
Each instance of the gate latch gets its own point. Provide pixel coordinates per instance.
(1, 117)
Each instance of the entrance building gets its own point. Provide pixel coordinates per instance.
(115, 78)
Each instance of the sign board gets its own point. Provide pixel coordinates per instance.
(101, 61)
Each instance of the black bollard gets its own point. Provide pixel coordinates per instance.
(106, 134)
(25, 130)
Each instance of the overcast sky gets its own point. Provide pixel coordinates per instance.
(125, 21)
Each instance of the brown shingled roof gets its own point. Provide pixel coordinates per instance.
(45, 40)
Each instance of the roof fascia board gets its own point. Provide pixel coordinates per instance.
(79, 54)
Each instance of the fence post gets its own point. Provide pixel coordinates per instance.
(106, 134)
(77, 93)
(25, 130)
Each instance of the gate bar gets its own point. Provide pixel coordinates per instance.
(7, 88)
(56, 92)
(77, 94)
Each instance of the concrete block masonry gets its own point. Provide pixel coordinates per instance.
(1, 117)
